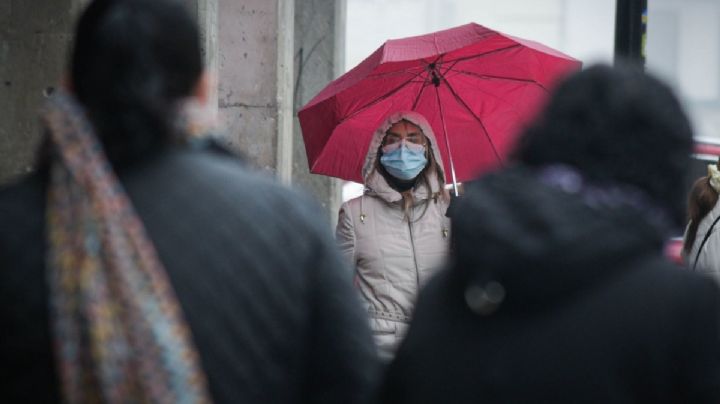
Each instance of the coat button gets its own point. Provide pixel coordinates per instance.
(484, 300)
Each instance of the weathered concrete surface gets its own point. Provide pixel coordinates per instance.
(248, 57)
(272, 57)
(269, 57)
(319, 56)
(34, 40)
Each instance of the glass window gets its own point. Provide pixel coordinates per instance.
(683, 47)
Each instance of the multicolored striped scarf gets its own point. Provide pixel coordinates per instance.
(119, 332)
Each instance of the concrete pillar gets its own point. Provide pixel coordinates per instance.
(269, 58)
(319, 58)
(34, 41)
(254, 45)
(273, 56)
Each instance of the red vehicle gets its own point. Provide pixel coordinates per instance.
(706, 151)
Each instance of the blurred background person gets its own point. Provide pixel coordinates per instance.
(701, 245)
(559, 292)
(138, 267)
(396, 234)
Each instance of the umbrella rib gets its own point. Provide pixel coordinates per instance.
(425, 82)
(454, 62)
(447, 140)
(490, 76)
(422, 88)
(477, 118)
(407, 70)
(450, 68)
(479, 55)
(381, 98)
(486, 92)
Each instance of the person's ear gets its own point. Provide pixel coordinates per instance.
(198, 108)
(203, 88)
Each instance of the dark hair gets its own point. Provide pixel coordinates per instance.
(131, 62)
(616, 125)
(701, 201)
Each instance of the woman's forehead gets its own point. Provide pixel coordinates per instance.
(404, 128)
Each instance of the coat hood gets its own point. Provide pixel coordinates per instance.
(375, 183)
(521, 242)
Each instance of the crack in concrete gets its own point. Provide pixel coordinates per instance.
(224, 104)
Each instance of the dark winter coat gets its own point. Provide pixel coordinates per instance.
(269, 302)
(583, 308)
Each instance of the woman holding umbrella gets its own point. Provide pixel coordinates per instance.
(476, 88)
(396, 234)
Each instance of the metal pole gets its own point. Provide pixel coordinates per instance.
(630, 31)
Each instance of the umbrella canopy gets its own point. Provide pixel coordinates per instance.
(476, 87)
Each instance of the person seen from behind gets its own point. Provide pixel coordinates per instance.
(559, 291)
(701, 245)
(396, 234)
(137, 266)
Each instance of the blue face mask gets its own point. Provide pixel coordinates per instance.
(404, 162)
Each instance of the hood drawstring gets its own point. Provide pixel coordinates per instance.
(362, 211)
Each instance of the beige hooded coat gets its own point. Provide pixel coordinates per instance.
(394, 257)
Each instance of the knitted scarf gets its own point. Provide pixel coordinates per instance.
(119, 332)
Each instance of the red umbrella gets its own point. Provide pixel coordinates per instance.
(476, 87)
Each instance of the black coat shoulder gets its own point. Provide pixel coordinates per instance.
(252, 264)
(649, 334)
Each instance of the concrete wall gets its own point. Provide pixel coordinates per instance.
(34, 38)
(273, 56)
(269, 57)
(250, 84)
(319, 58)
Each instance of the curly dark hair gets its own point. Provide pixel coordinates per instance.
(616, 125)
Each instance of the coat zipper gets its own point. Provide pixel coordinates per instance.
(412, 245)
